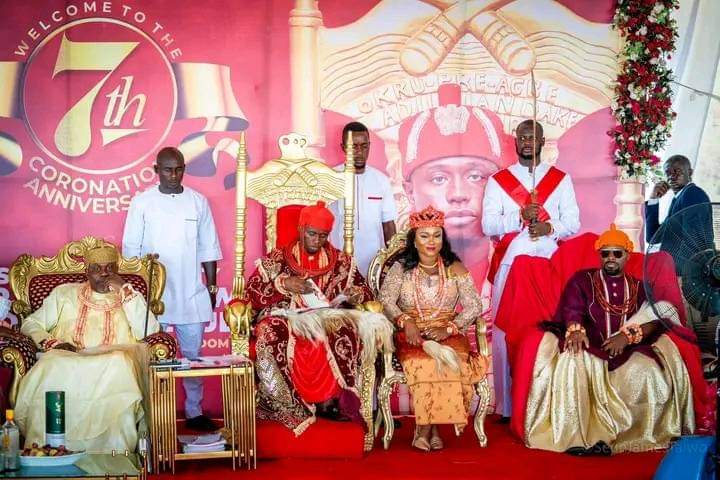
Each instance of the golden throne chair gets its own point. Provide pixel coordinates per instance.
(279, 185)
(33, 278)
(392, 370)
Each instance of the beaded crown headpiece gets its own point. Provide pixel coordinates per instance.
(427, 217)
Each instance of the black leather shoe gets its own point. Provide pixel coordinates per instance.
(332, 413)
(578, 451)
(201, 423)
(601, 449)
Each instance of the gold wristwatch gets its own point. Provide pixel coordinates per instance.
(212, 289)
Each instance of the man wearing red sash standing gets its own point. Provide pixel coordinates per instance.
(524, 223)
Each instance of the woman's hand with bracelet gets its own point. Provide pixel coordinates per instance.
(412, 333)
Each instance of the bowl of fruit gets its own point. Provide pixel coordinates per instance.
(47, 456)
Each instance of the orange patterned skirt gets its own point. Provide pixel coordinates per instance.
(440, 396)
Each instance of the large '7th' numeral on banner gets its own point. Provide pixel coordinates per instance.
(74, 134)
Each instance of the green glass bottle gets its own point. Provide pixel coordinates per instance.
(55, 418)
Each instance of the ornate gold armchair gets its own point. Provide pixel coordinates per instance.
(393, 373)
(33, 278)
(281, 185)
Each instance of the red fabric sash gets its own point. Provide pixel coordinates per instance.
(512, 186)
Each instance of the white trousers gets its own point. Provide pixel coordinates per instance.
(189, 337)
(501, 367)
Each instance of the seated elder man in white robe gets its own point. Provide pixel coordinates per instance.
(90, 334)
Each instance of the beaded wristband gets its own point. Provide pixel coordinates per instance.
(633, 333)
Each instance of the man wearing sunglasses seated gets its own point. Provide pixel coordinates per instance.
(607, 378)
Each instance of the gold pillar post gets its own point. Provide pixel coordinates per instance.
(240, 216)
(349, 177)
(305, 21)
(237, 315)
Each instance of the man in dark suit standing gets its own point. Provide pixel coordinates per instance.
(685, 237)
(679, 179)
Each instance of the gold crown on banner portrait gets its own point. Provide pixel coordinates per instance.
(427, 217)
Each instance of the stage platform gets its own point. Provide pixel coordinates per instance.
(504, 458)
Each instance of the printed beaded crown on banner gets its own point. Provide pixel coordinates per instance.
(427, 217)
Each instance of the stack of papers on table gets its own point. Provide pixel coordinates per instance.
(212, 442)
(210, 361)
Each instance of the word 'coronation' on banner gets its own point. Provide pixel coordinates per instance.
(86, 194)
(74, 10)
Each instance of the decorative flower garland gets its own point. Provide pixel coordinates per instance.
(643, 97)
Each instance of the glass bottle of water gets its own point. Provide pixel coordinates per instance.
(11, 441)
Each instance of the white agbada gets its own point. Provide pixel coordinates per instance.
(501, 215)
(179, 228)
(374, 204)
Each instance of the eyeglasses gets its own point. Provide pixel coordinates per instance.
(614, 253)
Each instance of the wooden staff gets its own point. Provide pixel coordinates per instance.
(151, 257)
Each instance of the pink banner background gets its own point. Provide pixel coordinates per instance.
(252, 39)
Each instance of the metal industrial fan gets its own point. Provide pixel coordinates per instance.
(692, 238)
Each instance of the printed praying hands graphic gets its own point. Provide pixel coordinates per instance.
(429, 46)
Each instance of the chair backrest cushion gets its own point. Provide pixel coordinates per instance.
(287, 221)
(41, 285)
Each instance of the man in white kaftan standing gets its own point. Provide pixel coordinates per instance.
(525, 223)
(375, 211)
(176, 223)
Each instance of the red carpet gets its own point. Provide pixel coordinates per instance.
(504, 458)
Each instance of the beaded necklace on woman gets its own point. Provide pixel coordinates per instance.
(435, 304)
(429, 217)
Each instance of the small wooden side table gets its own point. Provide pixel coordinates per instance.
(238, 392)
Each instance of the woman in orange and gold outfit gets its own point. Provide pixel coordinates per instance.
(421, 294)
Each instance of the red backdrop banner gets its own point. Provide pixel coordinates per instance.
(92, 89)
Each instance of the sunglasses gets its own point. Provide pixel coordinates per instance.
(614, 253)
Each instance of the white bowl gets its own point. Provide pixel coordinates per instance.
(58, 461)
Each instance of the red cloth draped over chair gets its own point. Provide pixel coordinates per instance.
(532, 293)
(286, 227)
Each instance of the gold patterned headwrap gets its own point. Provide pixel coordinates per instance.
(104, 254)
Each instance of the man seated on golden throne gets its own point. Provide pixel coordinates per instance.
(89, 333)
(306, 356)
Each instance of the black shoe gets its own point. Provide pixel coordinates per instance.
(578, 451)
(201, 423)
(332, 413)
(504, 420)
(601, 449)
